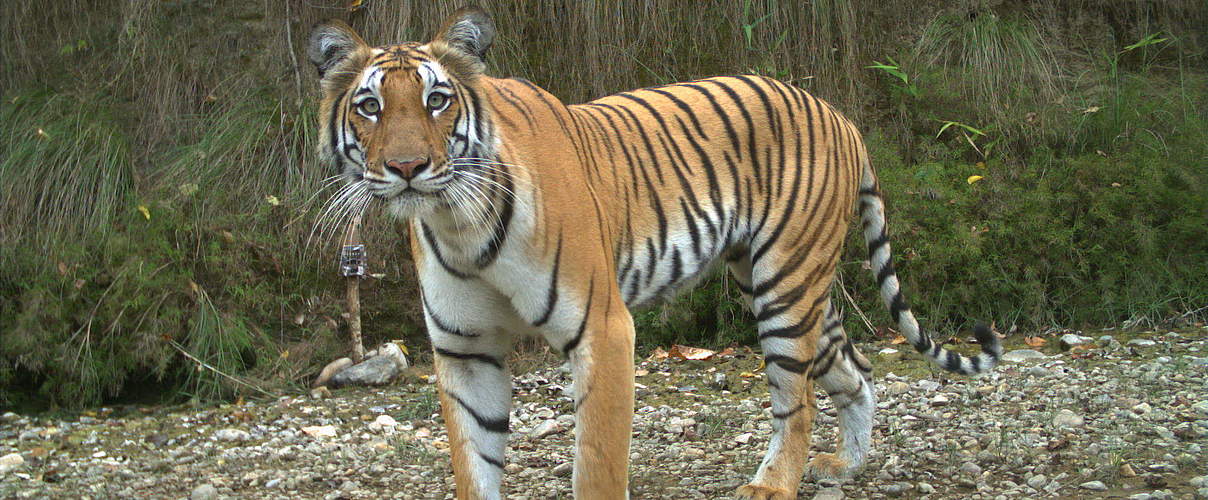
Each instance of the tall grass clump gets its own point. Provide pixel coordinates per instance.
(66, 165)
(988, 69)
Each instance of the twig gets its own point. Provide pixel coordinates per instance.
(850, 300)
(232, 378)
(293, 57)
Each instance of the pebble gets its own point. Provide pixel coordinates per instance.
(545, 428)
(895, 388)
(1067, 418)
(563, 469)
(1093, 486)
(971, 469)
(1020, 355)
(832, 493)
(926, 488)
(1070, 340)
(204, 492)
(1038, 481)
(11, 462)
(232, 435)
(1141, 342)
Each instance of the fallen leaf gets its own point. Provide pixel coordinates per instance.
(900, 339)
(658, 354)
(1092, 109)
(747, 375)
(142, 209)
(973, 178)
(272, 200)
(79, 284)
(1115, 184)
(692, 353)
(1034, 341)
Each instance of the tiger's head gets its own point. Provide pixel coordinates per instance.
(403, 121)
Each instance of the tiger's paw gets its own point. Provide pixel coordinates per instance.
(760, 492)
(828, 466)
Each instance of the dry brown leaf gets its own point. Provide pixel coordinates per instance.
(900, 339)
(694, 353)
(1034, 341)
(658, 354)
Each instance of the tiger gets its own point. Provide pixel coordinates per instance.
(530, 217)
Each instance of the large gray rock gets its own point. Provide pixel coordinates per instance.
(330, 370)
(378, 370)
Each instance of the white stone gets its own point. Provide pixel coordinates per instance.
(1141, 342)
(545, 428)
(393, 351)
(1019, 355)
(204, 492)
(10, 462)
(320, 431)
(1070, 340)
(385, 421)
(1067, 418)
(232, 435)
(744, 438)
(1093, 486)
(928, 385)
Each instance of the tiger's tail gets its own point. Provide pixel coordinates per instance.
(876, 236)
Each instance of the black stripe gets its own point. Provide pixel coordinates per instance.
(885, 273)
(491, 460)
(551, 299)
(788, 363)
(896, 306)
(789, 413)
(500, 235)
(431, 239)
(470, 356)
(877, 243)
(574, 342)
(496, 425)
(441, 324)
(722, 113)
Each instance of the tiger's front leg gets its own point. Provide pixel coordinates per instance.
(475, 385)
(601, 356)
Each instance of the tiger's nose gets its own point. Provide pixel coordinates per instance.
(407, 169)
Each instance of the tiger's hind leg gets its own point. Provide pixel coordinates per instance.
(789, 311)
(847, 377)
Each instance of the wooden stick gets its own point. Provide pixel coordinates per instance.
(353, 296)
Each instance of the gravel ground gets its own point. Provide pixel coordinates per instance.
(1118, 417)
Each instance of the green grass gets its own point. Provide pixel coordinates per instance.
(162, 212)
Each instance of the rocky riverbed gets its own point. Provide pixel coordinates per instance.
(1113, 415)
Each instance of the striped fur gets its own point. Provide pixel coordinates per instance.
(531, 217)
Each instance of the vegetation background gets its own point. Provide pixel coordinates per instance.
(1045, 163)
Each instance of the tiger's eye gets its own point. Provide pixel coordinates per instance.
(436, 101)
(370, 106)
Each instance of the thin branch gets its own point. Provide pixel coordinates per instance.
(207, 366)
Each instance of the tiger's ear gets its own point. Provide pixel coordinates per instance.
(333, 43)
(469, 30)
